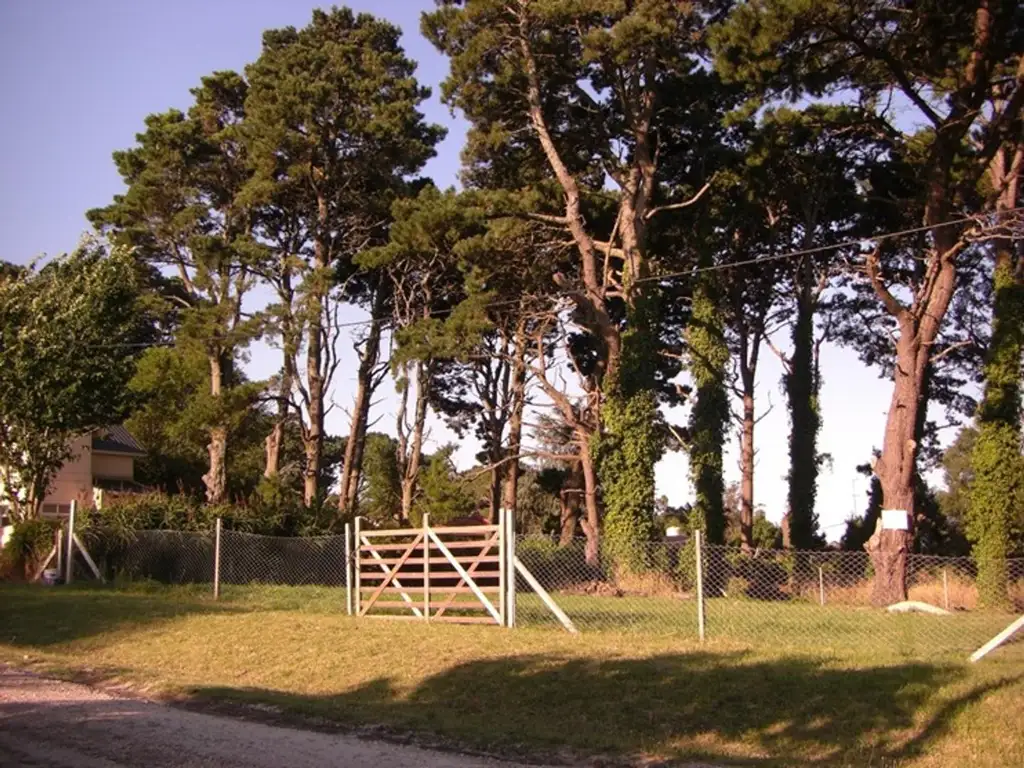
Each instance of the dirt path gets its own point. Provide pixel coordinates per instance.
(63, 725)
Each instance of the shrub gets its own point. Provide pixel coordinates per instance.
(30, 542)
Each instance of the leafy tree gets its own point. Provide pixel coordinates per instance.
(442, 492)
(945, 62)
(172, 409)
(69, 335)
(335, 129)
(184, 210)
(579, 85)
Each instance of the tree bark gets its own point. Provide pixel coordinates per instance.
(216, 478)
(591, 521)
(515, 424)
(747, 469)
(410, 461)
(802, 393)
(313, 435)
(275, 439)
(348, 495)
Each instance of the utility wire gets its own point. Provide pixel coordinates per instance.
(817, 250)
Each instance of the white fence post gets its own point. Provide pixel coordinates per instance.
(502, 566)
(70, 555)
(945, 588)
(700, 584)
(426, 566)
(510, 580)
(348, 569)
(216, 559)
(356, 586)
(821, 586)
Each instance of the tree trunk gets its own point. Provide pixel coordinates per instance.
(515, 424)
(568, 501)
(411, 461)
(215, 479)
(313, 437)
(747, 469)
(276, 437)
(889, 547)
(591, 521)
(353, 463)
(802, 392)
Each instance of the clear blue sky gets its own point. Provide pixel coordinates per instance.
(79, 77)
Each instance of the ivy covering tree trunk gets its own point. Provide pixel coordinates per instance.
(996, 509)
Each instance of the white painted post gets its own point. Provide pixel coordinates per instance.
(58, 543)
(999, 639)
(356, 585)
(510, 559)
(502, 571)
(348, 568)
(700, 585)
(821, 586)
(70, 556)
(945, 589)
(545, 597)
(426, 566)
(216, 560)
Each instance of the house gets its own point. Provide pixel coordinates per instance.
(101, 461)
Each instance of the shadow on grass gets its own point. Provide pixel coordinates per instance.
(714, 707)
(40, 616)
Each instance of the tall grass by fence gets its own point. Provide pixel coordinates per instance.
(810, 600)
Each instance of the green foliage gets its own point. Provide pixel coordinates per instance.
(68, 333)
(30, 541)
(627, 451)
(442, 493)
(708, 357)
(995, 523)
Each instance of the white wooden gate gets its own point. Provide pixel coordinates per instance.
(461, 574)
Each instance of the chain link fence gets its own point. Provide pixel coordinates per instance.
(817, 601)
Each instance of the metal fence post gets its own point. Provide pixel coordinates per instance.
(356, 585)
(945, 589)
(700, 584)
(426, 566)
(70, 555)
(216, 560)
(348, 568)
(821, 586)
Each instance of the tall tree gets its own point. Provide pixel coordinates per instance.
(183, 210)
(580, 85)
(939, 60)
(335, 130)
(69, 335)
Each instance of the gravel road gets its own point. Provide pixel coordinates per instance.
(63, 725)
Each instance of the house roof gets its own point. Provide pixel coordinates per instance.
(116, 439)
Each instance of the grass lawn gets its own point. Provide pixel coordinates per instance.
(753, 700)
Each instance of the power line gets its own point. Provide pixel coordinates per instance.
(817, 250)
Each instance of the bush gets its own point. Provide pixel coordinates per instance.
(30, 542)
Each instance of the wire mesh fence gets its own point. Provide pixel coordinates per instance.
(810, 600)
(817, 600)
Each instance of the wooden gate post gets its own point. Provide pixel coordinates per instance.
(502, 566)
(357, 573)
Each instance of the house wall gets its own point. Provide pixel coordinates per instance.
(111, 466)
(74, 480)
